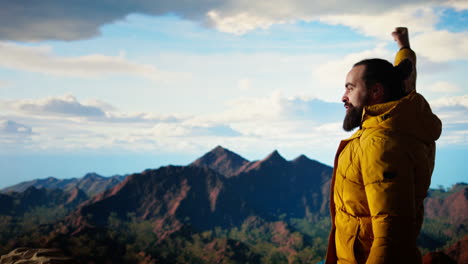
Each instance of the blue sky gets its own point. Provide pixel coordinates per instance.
(116, 89)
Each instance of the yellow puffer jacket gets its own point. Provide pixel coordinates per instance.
(380, 180)
(407, 53)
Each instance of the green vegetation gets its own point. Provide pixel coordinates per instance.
(131, 240)
(13, 228)
(441, 192)
(437, 234)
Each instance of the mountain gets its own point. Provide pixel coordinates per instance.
(274, 186)
(446, 225)
(91, 184)
(451, 205)
(223, 161)
(15, 203)
(455, 253)
(169, 197)
(221, 208)
(200, 197)
(459, 250)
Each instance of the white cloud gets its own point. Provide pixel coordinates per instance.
(421, 21)
(104, 106)
(331, 75)
(70, 21)
(273, 118)
(421, 18)
(275, 107)
(149, 118)
(444, 87)
(4, 83)
(459, 5)
(243, 16)
(14, 136)
(244, 84)
(240, 23)
(453, 112)
(67, 105)
(12, 127)
(186, 129)
(41, 59)
(269, 107)
(262, 123)
(381, 24)
(440, 46)
(455, 101)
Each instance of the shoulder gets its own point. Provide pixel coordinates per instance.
(378, 140)
(404, 53)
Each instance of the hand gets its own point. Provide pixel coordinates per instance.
(400, 35)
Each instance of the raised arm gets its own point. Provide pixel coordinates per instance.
(401, 36)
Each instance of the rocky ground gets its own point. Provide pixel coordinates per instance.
(35, 256)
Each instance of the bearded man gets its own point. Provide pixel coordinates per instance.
(383, 171)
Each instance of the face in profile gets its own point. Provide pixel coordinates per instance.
(354, 98)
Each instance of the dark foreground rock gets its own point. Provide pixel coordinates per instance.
(36, 256)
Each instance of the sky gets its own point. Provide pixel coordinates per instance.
(116, 87)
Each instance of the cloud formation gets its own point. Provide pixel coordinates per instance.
(452, 111)
(254, 123)
(66, 106)
(444, 87)
(434, 45)
(451, 102)
(13, 128)
(41, 59)
(333, 85)
(24, 20)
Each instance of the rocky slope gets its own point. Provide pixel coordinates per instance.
(18, 203)
(202, 198)
(91, 184)
(223, 161)
(35, 256)
(451, 205)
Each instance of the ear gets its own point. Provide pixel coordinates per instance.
(376, 94)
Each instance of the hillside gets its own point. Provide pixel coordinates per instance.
(91, 184)
(221, 208)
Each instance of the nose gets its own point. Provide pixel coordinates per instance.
(344, 98)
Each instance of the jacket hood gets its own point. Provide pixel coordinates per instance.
(410, 115)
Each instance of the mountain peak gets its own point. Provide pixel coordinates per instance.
(222, 161)
(302, 159)
(92, 176)
(51, 179)
(219, 148)
(274, 159)
(275, 156)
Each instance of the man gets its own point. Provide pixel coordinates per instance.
(400, 35)
(382, 172)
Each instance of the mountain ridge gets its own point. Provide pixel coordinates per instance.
(223, 161)
(168, 196)
(282, 202)
(91, 183)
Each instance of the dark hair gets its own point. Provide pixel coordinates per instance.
(391, 78)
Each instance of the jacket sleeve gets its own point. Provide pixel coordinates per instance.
(403, 54)
(389, 185)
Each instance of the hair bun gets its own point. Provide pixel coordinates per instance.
(404, 69)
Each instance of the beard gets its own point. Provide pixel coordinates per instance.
(352, 118)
